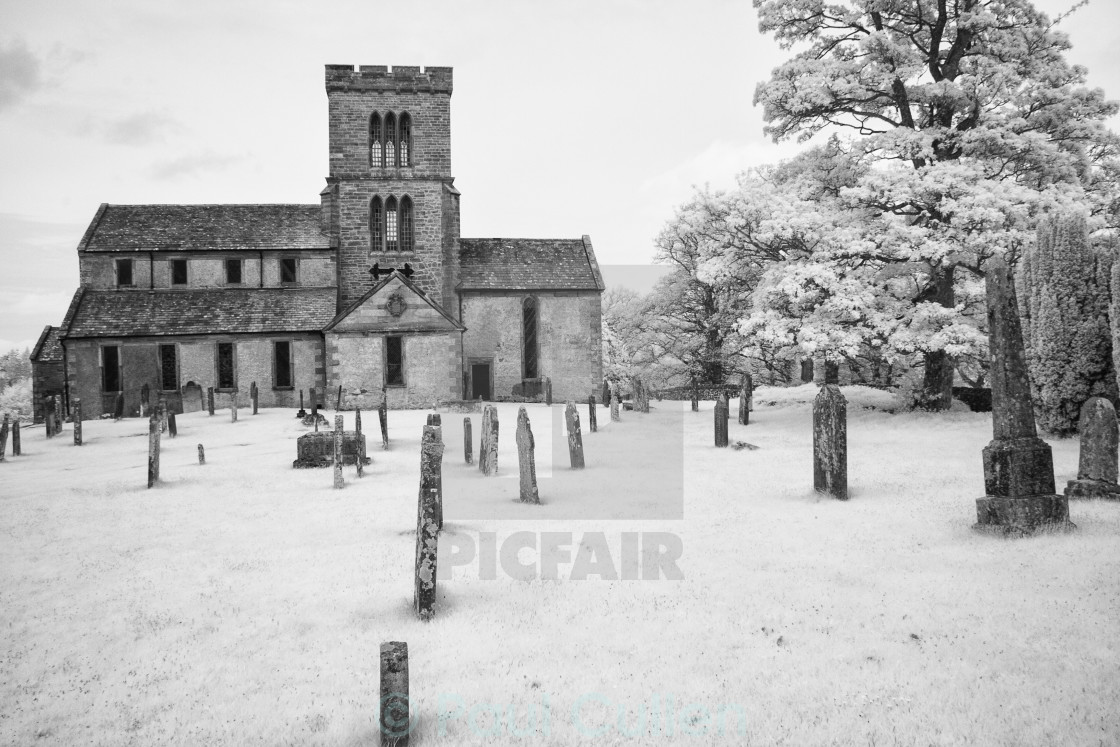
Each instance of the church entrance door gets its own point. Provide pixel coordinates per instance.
(480, 381)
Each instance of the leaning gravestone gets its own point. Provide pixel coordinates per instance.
(1097, 465)
(606, 393)
(720, 416)
(393, 719)
(427, 533)
(1018, 465)
(592, 422)
(830, 443)
(15, 438)
(526, 460)
(488, 445)
(383, 418)
(468, 444)
(575, 438)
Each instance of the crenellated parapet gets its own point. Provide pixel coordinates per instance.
(383, 78)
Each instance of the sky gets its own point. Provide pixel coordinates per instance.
(568, 118)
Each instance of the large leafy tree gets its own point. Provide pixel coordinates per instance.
(967, 123)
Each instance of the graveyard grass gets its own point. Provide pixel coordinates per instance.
(245, 602)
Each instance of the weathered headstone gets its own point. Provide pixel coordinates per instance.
(606, 393)
(201, 455)
(431, 470)
(338, 481)
(253, 396)
(233, 407)
(77, 410)
(118, 409)
(172, 427)
(548, 391)
(162, 405)
(210, 399)
(16, 451)
(468, 442)
(383, 419)
(48, 416)
(592, 421)
(830, 442)
(1097, 465)
(145, 400)
(314, 400)
(615, 417)
(302, 412)
(575, 437)
(59, 417)
(393, 719)
(488, 450)
(4, 437)
(526, 460)
(1018, 465)
(434, 419)
(695, 396)
(746, 394)
(427, 530)
(360, 462)
(720, 416)
(153, 449)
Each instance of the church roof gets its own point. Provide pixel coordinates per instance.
(49, 348)
(127, 228)
(529, 264)
(201, 312)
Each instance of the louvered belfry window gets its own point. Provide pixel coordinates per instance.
(529, 338)
(376, 142)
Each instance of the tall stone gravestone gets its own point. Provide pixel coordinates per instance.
(488, 444)
(3, 437)
(615, 405)
(431, 470)
(468, 443)
(746, 396)
(526, 459)
(383, 419)
(1097, 466)
(15, 438)
(720, 417)
(427, 530)
(394, 721)
(77, 407)
(830, 442)
(575, 438)
(1018, 465)
(592, 420)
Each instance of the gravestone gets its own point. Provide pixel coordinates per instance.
(434, 419)
(575, 438)
(427, 533)
(615, 417)
(383, 418)
(48, 416)
(201, 455)
(488, 444)
(359, 463)
(16, 451)
(393, 718)
(317, 449)
(233, 407)
(314, 399)
(253, 396)
(1018, 465)
(172, 428)
(526, 460)
(302, 413)
(606, 393)
(830, 442)
(468, 443)
(77, 408)
(315, 416)
(338, 481)
(1097, 465)
(118, 409)
(431, 469)
(153, 449)
(162, 405)
(548, 391)
(145, 400)
(592, 422)
(746, 395)
(720, 417)
(695, 396)
(210, 399)
(4, 437)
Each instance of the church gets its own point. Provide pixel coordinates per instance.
(371, 290)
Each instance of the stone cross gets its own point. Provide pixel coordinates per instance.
(383, 417)
(615, 417)
(830, 443)
(233, 407)
(253, 396)
(427, 529)
(16, 451)
(338, 481)
(77, 410)
(153, 449)
(393, 719)
(1018, 465)
(201, 455)
(1097, 466)
(210, 399)
(592, 422)
(468, 443)
(575, 438)
(746, 394)
(4, 437)
(431, 470)
(526, 460)
(720, 416)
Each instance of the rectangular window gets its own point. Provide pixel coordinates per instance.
(226, 374)
(288, 271)
(178, 272)
(110, 368)
(233, 271)
(124, 272)
(282, 377)
(168, 368)
(394, 361)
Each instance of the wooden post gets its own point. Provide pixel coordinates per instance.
(721, 416)
(3, 437)
(830, 443)
(393, 719)
(201, 455)
(172, 427)
(153, 449)
(338, 481)
(16, 451)
(210, 399)
(383, 418)
(592, 421)
(253, 396)
(361, 440)
(575, 438)
(526, 460)
(427, 528)
(77, 421)
(467, 441)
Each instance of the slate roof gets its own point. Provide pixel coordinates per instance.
(529, 264)
(49, 347)
(198, 312)
(128, 228)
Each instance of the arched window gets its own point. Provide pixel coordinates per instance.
(406, 224)
(391, 140)
(405, 139)
(530, 369)
(376, 225)
(392, 243)
(376, 142)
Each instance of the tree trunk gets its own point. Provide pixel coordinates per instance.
(937, 384)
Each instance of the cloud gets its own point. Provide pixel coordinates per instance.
(189, 165)
(143, 128)
(20, 73)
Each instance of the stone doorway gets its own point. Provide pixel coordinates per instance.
(480, 381)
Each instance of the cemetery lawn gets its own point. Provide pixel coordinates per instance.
(243, 602)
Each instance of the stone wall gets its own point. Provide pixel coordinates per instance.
(431, 369)
(569, 334)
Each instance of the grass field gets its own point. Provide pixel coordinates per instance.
(243, 602)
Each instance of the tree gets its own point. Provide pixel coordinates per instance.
(967, 124)
(1064, 305)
